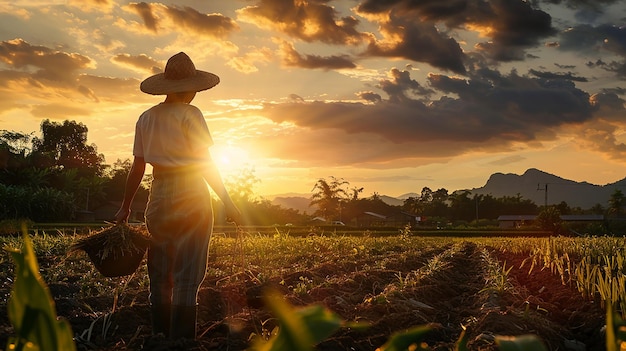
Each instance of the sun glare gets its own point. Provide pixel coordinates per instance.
(230, 158)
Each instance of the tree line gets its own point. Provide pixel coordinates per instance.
(336, 200)
(55, 176)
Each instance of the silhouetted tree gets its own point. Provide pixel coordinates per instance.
(616, 202)
(550, 219)
(327, 196)
(65, 146)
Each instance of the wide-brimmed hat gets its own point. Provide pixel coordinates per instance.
(180, 76)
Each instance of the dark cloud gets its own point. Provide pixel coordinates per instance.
(564, 66)
(552, 75)
(369, 96)
(306, 20)
(493, 112)
(292, 58)
(619, 68)
(610, 105)
(144, 11)
(43, 63)
(39, 69)
(616, 90)
(594, 39)
(401, 87)
(142, 62)
(417, 41)
(433, 10)
(214, 25)
(595, 6)
(512, 25)
(185, 19)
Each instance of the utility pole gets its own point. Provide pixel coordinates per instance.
(545, 188)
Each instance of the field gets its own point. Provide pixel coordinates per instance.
(555, 288)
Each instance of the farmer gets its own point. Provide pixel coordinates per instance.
(173, 137)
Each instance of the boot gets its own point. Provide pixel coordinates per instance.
(183, 322)
(161, 314)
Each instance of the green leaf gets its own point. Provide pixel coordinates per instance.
(520, 343)
(401, 341)
(31, 308)
(300, 329)
(461, 343)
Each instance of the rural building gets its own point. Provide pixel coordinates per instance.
(517, 221)
(370, 219)
(401, 219)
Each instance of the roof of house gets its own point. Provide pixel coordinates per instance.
(517, 217)
(563, 217)
(375, 215)
(582, 217)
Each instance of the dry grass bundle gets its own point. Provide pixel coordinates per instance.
(115, 251)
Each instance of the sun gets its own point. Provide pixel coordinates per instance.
(230, 158)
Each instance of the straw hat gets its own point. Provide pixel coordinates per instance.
(180, 76)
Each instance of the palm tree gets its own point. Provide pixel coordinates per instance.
(616, 202)
(327, 196)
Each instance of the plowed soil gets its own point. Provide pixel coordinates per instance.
(449, 295)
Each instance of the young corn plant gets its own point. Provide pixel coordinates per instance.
(496, 275)
(31, 308)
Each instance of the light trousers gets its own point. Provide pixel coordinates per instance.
(179, 218)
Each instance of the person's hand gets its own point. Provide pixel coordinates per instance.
(232, 213)
(122, 215)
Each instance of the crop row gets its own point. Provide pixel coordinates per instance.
(458, 286)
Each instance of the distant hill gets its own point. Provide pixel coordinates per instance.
(295, 201)
(532, 184)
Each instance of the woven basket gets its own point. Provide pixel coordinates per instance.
(115, 251)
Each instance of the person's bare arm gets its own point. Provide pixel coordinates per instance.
(133, 180)
(214, 179)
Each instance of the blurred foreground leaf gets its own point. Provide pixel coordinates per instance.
(300, 329)
(407, 340)
(31, 308)
(520, 343)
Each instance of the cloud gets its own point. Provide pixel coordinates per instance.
(418, 41)
(310, 21)
(493, 112)
(601, 136)
(512, 26)
(185, 19)
(292, 58)
(144, 10)
(43, 63)
(248, 62)
(552, 75)
(369, 96)
(401, 86)
(140, 63)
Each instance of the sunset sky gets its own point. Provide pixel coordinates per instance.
(392, 96)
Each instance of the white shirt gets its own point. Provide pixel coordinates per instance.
(172, 135)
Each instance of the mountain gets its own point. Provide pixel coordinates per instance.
(295, 201)
(392, 200)
(535, 185)
(531, 185)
